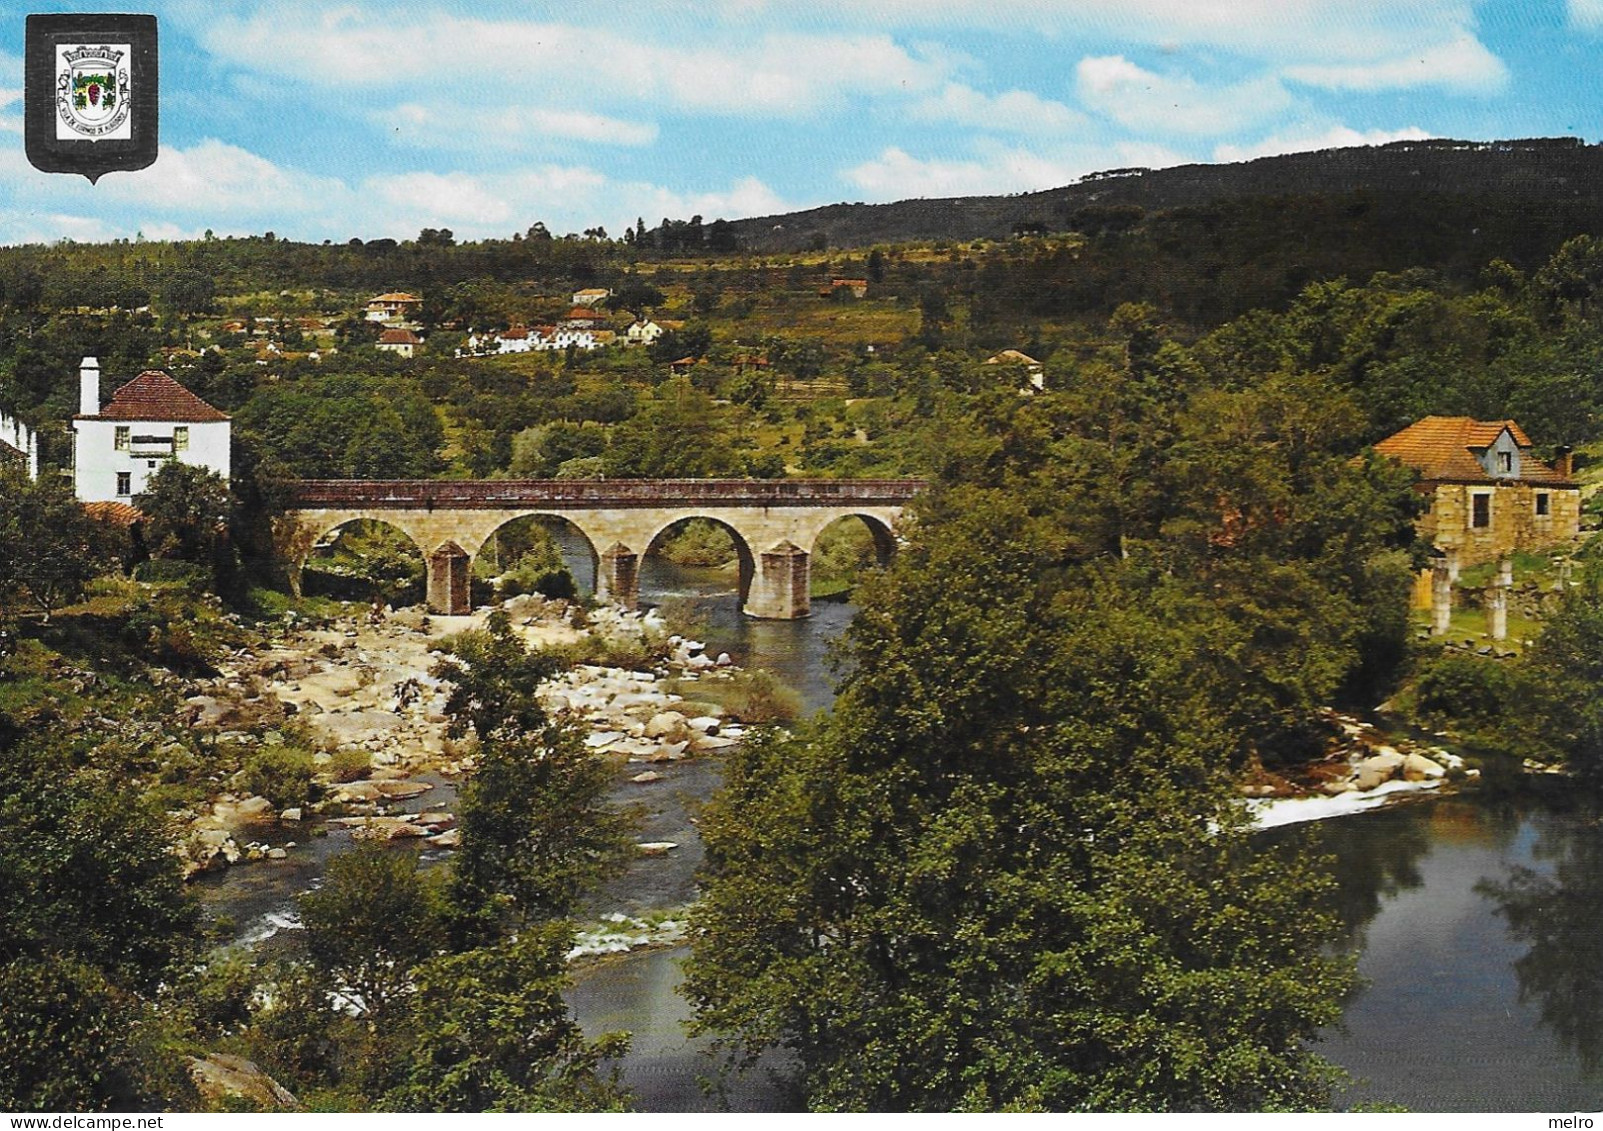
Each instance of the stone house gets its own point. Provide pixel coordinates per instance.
(591, 296)
(117, 447)
(1489, 495)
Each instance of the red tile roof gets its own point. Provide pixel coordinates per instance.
(155, 396)
(394, 297)
(581, 312)
(118, 514)
(1443, 448)
(399, 338)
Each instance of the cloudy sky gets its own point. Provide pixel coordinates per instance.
(331, 120)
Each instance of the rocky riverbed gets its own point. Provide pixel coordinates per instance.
(359, 691)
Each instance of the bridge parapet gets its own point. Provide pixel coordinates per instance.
(497, 494)
(775, 524)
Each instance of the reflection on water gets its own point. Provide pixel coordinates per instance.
(1555, 913)
(1472, 953)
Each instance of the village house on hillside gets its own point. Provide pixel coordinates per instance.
(117, 447)
(643, 332)
(857, 288)
(534, 339)
(1034, 372)
(1489, 496)
(396, 306)
(19, 447)
(591, 296)
(399, 341)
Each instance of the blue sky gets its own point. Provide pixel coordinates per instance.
(333, 120)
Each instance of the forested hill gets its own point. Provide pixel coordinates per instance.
(1555, 182)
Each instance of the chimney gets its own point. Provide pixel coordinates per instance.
(89, 387)
(1564, 462)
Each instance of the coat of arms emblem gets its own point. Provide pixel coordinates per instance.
(91, 92)
(93, 95)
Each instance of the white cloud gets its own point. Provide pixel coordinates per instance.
(1586, 14)
(1336, 137)
(1174, 104)
(1014, 111)
(519, 130)
(497, 62)
(1462, 63)
(234, 192)
(895, 174)
(1275, 30)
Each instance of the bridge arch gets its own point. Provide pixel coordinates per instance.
(391, 576)
(590, 580)
(747, 563)
(879, 530)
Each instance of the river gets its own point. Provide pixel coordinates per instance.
(1483, 983)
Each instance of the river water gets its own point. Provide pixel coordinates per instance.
(1478, 925)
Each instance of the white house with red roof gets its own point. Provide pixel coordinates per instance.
(399, 341)
(117, 447)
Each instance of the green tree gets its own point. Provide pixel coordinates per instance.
(93, 918)
(49, 546)
(1010, 872)
(536, 832)
(1566, 678)
(499, 1036)
(186, 509)
(374, 918)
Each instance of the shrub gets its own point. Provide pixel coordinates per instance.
(757, 697)
(1471, 690)
(282, 774)
(350, 765)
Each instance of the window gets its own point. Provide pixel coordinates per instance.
(121, 438)
(125, 483)
(1543, 503)
(1505, 462)
(181, 438)
(1481, 510)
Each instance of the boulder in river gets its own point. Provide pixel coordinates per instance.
(665, 724)
(221, 1076)
(1417, 767)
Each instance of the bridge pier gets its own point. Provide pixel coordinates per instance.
(618, 576)
(782, 587)
(450, 571)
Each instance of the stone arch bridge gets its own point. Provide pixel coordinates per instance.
(774, 524)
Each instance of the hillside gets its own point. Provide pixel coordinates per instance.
(1560, 178)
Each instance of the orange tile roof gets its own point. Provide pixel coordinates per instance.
(394, 296)
(155, 396)
(1443, 448)
(399, 338)
(118, 514)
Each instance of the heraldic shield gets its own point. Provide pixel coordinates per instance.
(91, 93)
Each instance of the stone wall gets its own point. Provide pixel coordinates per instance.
(1514, 525)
